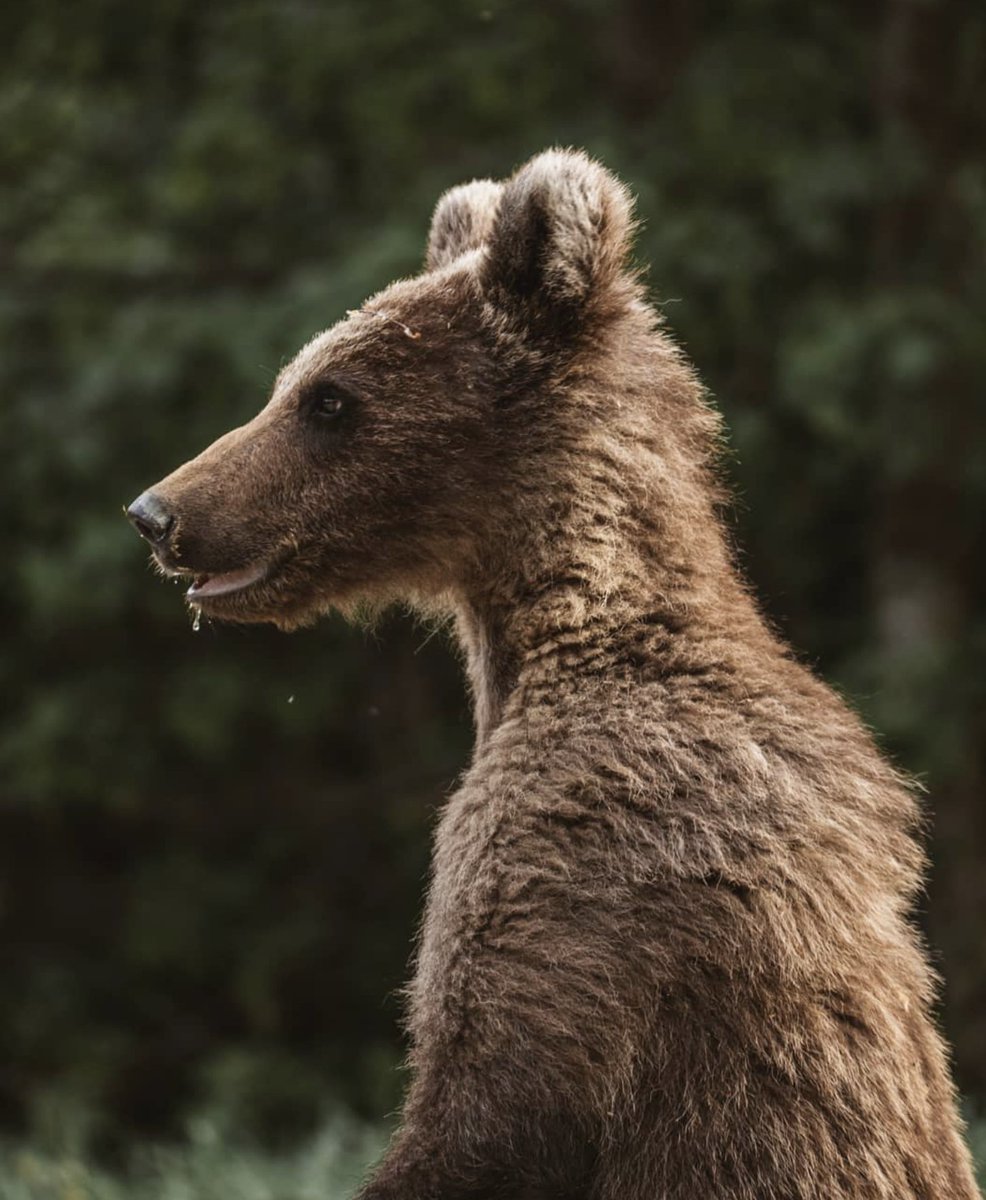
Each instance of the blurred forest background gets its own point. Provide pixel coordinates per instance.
(213, 846)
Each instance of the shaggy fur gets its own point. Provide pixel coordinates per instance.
(666, 952)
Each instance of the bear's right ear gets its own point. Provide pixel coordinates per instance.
(462, 221)
(557, 251)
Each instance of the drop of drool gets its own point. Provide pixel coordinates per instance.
(196, 619)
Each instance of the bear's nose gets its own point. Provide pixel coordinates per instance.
(149, 515)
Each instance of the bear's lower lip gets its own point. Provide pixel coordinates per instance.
(207, 586)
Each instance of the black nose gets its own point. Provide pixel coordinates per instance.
(151, 518)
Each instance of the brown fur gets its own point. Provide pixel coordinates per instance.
(666, 950)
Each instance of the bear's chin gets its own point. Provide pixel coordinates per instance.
(260, 603)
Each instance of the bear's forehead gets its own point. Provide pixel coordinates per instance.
(383, 329)
(355, 332)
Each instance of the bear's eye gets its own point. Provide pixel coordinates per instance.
(327, 401)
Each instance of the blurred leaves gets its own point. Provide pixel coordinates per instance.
(211, 1165)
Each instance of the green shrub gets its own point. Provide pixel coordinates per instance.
(208, 1167)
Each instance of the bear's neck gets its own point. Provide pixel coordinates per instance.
(655, 597)
(606, 555)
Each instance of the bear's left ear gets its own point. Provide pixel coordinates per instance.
(462, 221)
(559, 242)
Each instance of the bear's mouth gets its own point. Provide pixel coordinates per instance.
(206, 586)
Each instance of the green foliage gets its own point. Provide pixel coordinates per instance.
(213, 846)
(209, 1166)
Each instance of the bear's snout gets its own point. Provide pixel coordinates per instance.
(152, 518)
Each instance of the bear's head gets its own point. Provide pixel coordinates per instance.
(401, 447)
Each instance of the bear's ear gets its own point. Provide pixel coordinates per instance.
(462, 221)
(559, 241)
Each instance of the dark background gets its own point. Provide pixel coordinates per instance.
(213, 846)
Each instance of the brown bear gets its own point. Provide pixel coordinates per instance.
(667, 951)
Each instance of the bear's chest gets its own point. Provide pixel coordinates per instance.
(490, 871)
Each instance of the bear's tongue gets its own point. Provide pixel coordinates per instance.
(220, 585)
